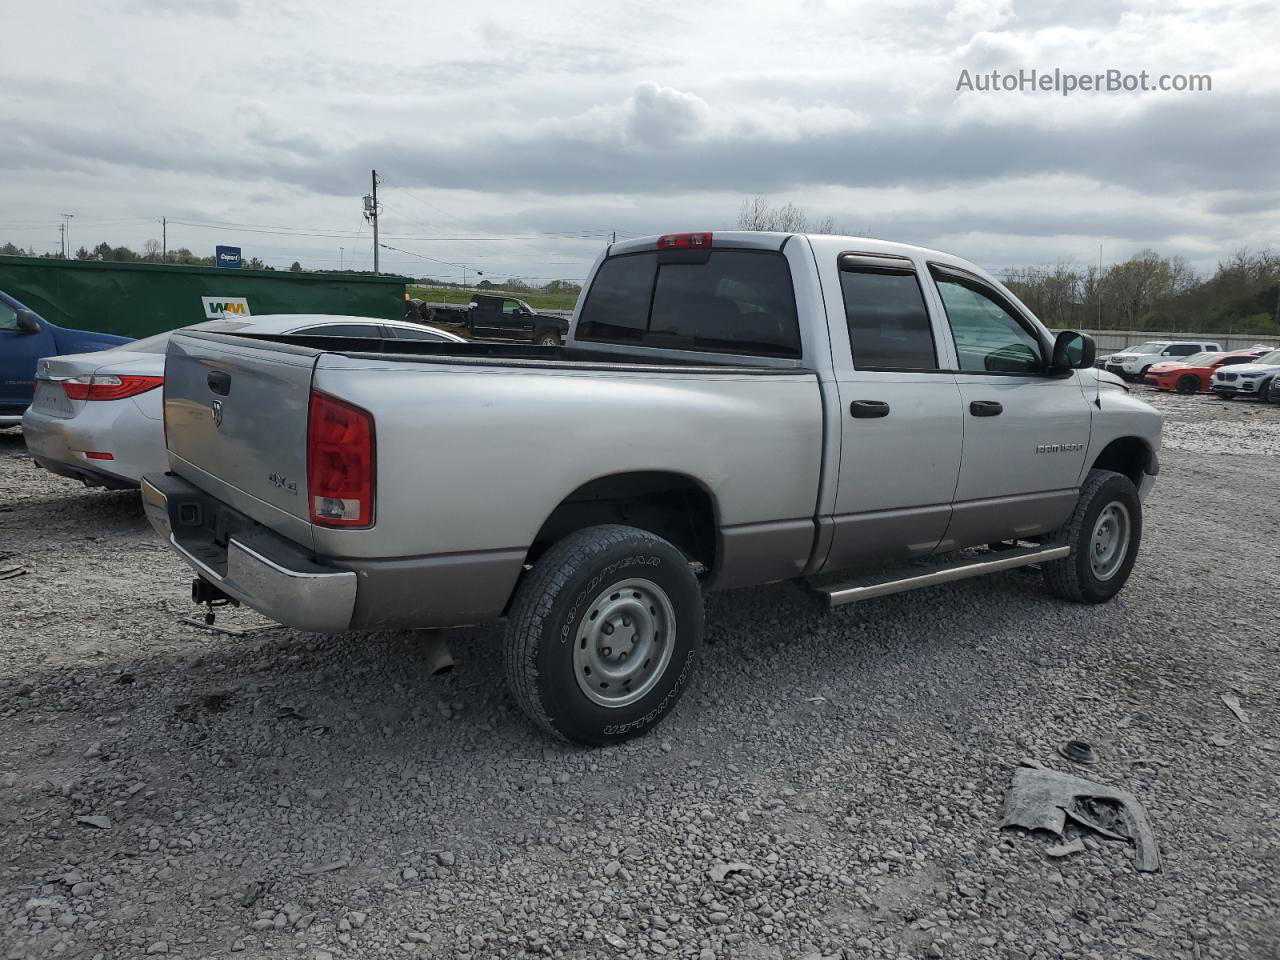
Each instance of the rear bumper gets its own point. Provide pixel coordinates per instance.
(257, 567)
(59, 444)
(281, 580)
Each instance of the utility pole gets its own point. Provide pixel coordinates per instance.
(1099, 290)
(62, 239)
(66, 233)
(614, 237)
(371, 214)
(164, 240)
(342, 253)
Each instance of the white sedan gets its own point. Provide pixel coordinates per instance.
(98, 417)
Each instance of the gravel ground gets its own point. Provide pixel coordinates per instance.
(286, 794)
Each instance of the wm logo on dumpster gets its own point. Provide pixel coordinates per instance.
(215, 308)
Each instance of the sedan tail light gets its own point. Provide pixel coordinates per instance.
(340, 463)
(109, 386)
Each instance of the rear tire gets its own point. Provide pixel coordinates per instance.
(1104, 533)
(592, 601)
(1188, 384)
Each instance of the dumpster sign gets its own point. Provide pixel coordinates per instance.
(215, 308)
(227, 257)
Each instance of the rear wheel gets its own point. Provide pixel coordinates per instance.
(1188, 384)
(1104, 533)
(604, 634)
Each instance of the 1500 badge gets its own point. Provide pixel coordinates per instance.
(284, 483)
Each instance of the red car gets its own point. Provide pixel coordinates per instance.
(1191, 374)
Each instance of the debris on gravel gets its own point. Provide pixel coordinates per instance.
(842, 773)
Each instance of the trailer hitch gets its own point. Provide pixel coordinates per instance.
(202, 591)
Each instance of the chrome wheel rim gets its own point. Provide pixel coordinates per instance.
(1109, 544)
(624, 643)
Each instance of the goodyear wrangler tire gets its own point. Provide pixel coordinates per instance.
(1104, 533)
(604, 635)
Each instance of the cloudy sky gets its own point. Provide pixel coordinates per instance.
(513, 137)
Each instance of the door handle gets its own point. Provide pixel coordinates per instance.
(986, 408)
(868, 409)
(219, 382)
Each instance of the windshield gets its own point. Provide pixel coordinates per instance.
(1154, 346)
(159, 342)
(1200, 359)
(1272, 357)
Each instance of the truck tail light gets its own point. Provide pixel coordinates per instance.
(109, 387)
(684, 241)
(340, 463)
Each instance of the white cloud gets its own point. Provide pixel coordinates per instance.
(505, 118)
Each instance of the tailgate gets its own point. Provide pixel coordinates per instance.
(236, 424)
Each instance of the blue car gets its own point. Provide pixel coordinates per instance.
(25, 337)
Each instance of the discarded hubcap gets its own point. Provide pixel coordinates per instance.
(1078, 751)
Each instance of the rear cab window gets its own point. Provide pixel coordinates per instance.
(718, 300)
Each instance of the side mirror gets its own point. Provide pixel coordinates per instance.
(28, 322)
(1072, 351)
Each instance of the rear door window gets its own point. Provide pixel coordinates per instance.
(370, 330)
(410, 333)
(727, 301)
(889, 326)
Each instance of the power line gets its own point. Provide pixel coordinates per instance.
(338, 233)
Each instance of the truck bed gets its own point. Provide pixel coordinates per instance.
(512, 353)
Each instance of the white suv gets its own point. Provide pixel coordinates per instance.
(1132, 362)
(1247, 379)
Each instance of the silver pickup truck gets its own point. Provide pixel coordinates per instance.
(731, 410)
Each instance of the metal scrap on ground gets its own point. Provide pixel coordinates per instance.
(1233, 704)
(1043, 799)
(719, 871)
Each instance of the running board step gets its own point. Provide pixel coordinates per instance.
(867, 588)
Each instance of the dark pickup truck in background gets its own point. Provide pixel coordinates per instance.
(504, 318)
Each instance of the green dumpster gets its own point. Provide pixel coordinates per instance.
(139, 299)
